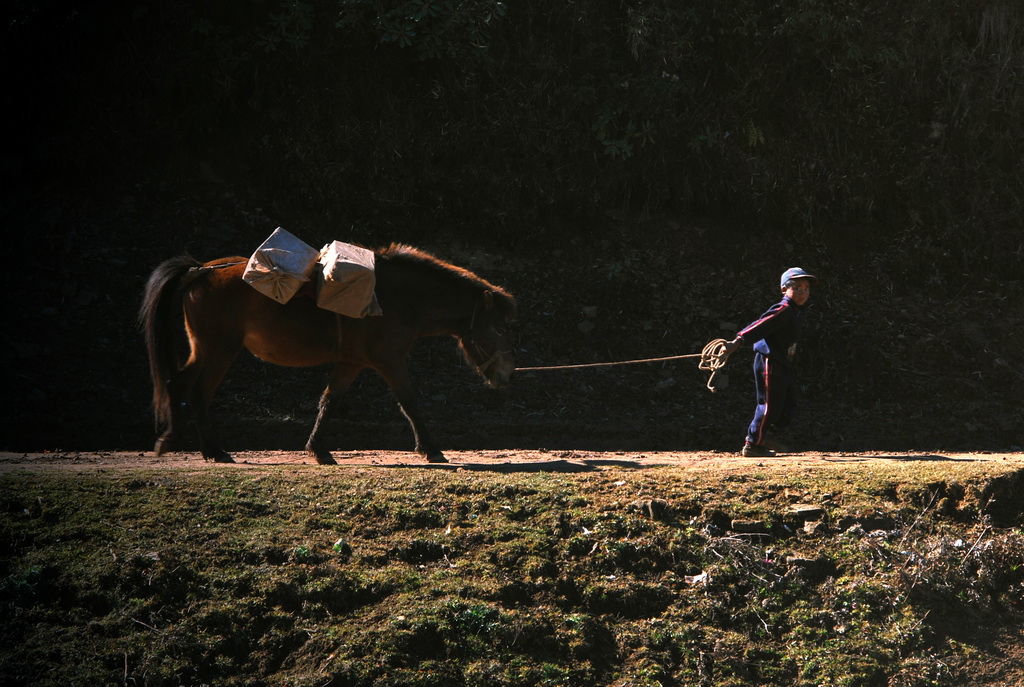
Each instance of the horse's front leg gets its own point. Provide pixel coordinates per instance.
(397, 377)
(342, 377)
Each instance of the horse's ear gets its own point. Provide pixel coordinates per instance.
(488, 299)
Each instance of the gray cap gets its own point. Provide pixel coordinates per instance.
(796, 273)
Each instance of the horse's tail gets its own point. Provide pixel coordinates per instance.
(161, 301)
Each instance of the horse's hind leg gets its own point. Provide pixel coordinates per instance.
(210, 374)
(179, 389)
(194, 384)
(342, 377)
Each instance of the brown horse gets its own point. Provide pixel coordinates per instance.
(419, 294)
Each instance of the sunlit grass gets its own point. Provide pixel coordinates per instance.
(369, 576)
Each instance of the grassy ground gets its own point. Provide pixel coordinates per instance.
(897, 573)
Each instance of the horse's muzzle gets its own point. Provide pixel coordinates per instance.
(500, 381)
(498, 370)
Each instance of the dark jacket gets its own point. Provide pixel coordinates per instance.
(776, 332)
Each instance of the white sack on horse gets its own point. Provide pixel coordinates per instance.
(347, 280)
(280, 266)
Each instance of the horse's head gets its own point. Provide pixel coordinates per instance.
(487, 346)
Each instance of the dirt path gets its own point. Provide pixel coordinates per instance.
(491, 460)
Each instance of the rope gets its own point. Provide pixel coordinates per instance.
(712, 358)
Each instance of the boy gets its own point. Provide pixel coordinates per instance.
(774, 336)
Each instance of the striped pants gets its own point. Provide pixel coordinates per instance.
(777, 396)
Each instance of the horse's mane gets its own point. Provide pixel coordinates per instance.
(400, 253)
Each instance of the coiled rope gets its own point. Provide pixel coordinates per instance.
(712, 359)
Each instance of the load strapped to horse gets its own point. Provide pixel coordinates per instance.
(368, 309)
(345, 276)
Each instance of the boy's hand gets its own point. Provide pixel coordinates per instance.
(731, 346)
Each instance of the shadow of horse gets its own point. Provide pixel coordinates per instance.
(559, 466)
(902, 459)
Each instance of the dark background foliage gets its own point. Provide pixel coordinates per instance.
(662, 161)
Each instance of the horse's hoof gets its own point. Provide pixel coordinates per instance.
(321, 455)
(218, 456)
(163, 445)
(437, 457)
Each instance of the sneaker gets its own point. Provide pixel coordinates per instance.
(757, 451)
